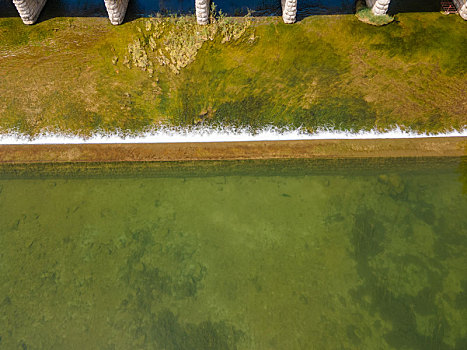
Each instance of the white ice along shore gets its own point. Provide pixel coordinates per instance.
(177, 135)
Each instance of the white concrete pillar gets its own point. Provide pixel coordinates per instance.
(29, 10)
(116, 10)
(378, 7)
(203, 7)
(461, 6)
(289, 10)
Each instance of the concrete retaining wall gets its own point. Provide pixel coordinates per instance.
(116, 10)
(29, 10)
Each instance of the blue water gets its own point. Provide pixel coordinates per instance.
(139, 8)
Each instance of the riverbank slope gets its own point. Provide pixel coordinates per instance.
(82, 76)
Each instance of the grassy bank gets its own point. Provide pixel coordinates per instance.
(82, 75)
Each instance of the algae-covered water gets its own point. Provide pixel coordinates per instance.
(356, 255)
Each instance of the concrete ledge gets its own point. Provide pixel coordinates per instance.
(167, 152)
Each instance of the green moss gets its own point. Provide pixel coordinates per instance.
(394, 295)
(349, 113)
(13, 33)
(172, 335)
(443, 42)
(82, 76)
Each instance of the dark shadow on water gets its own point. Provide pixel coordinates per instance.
(398, 6)
(7, 9)
(251, 167)
(145, 8)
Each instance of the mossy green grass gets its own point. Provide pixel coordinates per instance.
(82, 76)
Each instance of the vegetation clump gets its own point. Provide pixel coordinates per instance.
(365, 15)
(175, 41)
(138, 54)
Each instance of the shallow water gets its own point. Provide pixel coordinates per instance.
(226, 255)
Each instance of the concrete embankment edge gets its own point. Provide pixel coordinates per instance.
(302, 149)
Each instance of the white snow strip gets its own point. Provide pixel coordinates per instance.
(202, 134)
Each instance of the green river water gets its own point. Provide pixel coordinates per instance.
(235, 255)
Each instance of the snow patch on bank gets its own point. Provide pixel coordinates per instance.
(203, 134)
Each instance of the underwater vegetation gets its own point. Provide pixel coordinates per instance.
(357, 257)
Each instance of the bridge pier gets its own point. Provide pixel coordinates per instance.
(116, 10)
(203, 8)
(29, 10)
(461, 6)
(378, 7)
(289, 11)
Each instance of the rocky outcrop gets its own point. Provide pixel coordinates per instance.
(202, 11)
(289, 10)
(29, 10)
(461, 6)
(378, 7)
(116, 10)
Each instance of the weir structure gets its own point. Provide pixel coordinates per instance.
(29, 10)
